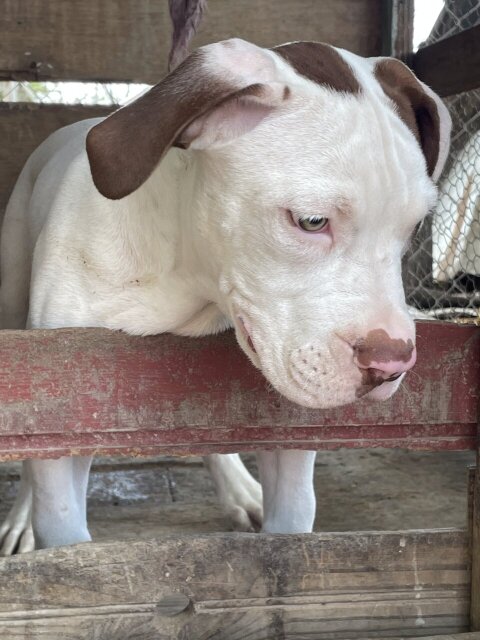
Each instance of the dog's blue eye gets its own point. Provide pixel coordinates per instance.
(313, 223)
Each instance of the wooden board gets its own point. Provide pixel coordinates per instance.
(23, 126)
(397, 32)
(241, 586)
(129, 40)
(474, 540)
(79, 391)
(451, 65)
(455, 636)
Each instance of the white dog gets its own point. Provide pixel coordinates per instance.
(269, 190)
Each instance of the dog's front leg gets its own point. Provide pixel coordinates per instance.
(59, 488)
(288, 492)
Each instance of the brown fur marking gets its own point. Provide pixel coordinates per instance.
(125, 148)
(320, 63)
(413, 105)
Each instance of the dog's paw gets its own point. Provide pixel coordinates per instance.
(16, 533)
(245, 511)
(241, 499)
(239, 493)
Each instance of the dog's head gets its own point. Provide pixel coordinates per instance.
(315, 166)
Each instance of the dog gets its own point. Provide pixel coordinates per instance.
(269, 190)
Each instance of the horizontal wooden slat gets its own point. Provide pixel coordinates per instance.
(23, 126)
(118, 40)
(456, 636)
(242, 586)
(78, 391)
(451, 65)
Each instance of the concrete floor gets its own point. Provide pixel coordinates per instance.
(356, 490)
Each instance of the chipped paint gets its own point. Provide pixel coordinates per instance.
(92, 391)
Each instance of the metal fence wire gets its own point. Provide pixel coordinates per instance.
(442, 268)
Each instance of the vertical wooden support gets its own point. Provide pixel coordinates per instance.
(471, 493)
(397, 28)
(474, 531)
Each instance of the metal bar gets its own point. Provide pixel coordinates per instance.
(451, 65)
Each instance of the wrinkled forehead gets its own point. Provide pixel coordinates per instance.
(338, 149)
(344, 137)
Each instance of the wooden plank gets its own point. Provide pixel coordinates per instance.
(456, 636)
(471, 481)
(114, 40)
(451, 65)
(120, 625)
(79, 391)
(23, 127)
(397, 28)
(238, 586)
(475, 551)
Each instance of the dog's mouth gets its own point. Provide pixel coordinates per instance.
(374, 386)
(380, 391)
(245, 333)
(373, 379)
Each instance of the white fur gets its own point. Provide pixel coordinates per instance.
(206, 242)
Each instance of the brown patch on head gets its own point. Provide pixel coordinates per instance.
(378, 346)
(286, 92)
(414, 106)
(320, 63)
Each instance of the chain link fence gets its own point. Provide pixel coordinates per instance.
(442, 268)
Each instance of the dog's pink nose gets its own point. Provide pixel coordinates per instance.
(385, 357)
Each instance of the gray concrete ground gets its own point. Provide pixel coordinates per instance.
(356, 490)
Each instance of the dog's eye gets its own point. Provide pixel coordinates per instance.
(313, 223)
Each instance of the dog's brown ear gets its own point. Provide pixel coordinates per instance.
(421, 110)
(219, 92)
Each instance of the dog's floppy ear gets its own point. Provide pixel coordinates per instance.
(219, 92)
(421, 110)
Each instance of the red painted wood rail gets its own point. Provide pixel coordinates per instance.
(82, 391)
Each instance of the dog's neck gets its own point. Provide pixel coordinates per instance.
(172, 246)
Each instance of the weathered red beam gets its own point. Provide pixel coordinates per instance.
(79, 391)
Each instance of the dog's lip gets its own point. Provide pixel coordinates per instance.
(365, 390)
(246, 335)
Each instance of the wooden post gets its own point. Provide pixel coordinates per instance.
(474, 534)
(397, 29)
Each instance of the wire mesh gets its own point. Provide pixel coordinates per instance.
(456, 16)
(442, 268)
